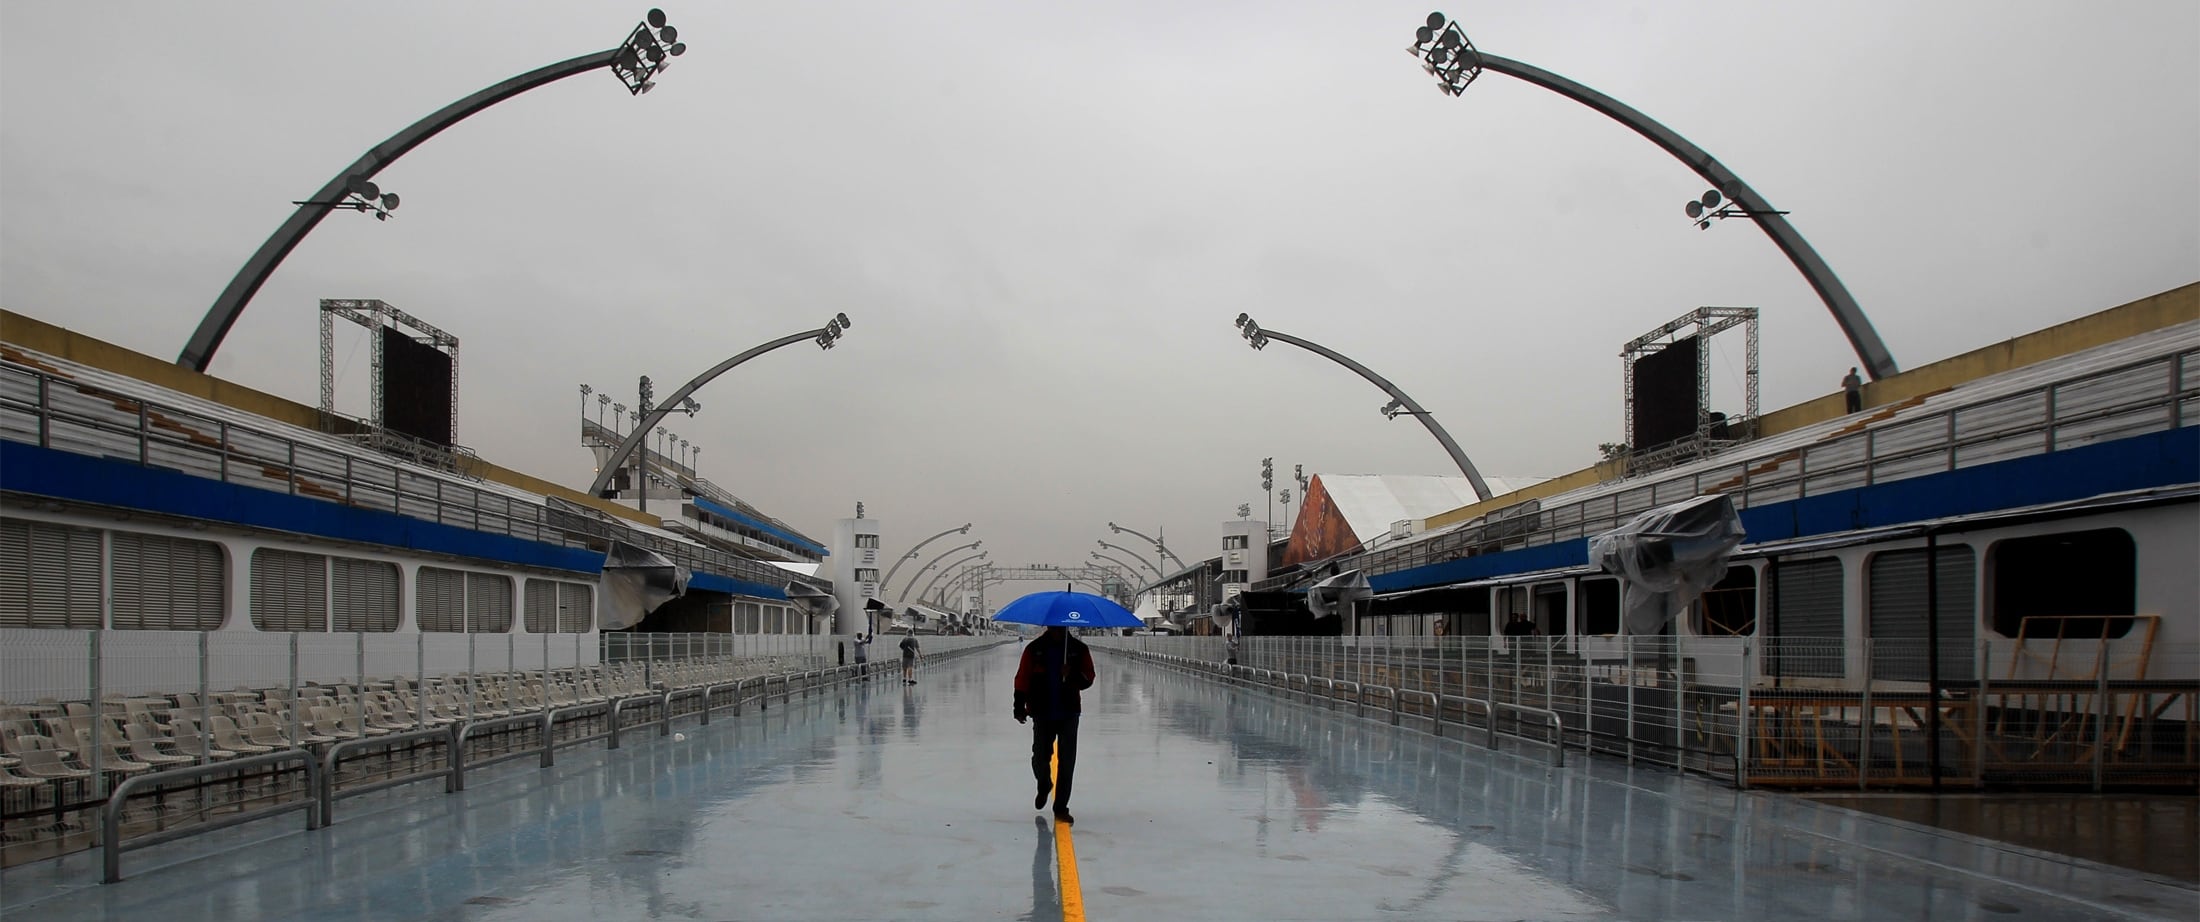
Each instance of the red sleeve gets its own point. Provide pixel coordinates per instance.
(1024, 670)
(1084, 667)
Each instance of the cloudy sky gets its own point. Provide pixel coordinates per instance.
(1043, 217)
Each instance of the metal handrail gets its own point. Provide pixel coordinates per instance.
(1580, 521)
(1490, 708)
(450, 771)
(110, 824)
(363, 480)
(462, 731)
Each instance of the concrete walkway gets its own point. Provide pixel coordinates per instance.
(1194, 801)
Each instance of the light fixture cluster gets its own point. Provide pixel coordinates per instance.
(647, 52)
(834, 330)
(1250, 329)
(1446, 54)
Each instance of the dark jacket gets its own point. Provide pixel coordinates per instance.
(1046, 685)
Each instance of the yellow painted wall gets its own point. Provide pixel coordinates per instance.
(2178, 305)
(41, 336)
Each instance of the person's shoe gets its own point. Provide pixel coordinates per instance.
(1040, 802)
(1061, 815)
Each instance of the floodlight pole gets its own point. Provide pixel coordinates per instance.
(964, 528)
(1160, 549)
(1127, 573)
(1872, 352)
(935, 559)
(198, 353)
(672, 403)
(1474, 477)
(1141, 558)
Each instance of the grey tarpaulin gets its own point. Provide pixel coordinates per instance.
(1668, 556)
(637, 580)
(812, 599)
(1333, 595)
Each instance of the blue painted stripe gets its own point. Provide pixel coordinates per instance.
(735, 515)
(2158, 459)
(107, 482)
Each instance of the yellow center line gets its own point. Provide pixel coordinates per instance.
(1065, 855)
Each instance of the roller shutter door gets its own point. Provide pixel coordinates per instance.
(540, 606)
(578, 616)
(1807, 635)
(1897, 583)
(289, 591)
(440, 603)
(365, 595)
(49, 575)
(488, 604)
(167, 584)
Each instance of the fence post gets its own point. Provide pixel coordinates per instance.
(1865, 724)
(1982, 657)
(297, 732)
(473, 684)
(1742, 739)
(1627, 653)
(360, 690)
(2102, 710)
(99, 711)
(420, 681)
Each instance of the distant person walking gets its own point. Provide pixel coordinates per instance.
(909, 655)
(1853, 388)
(863, 656)
(1054, 668)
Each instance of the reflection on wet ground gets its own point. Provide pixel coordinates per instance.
(2154, 833)
(1195, 801)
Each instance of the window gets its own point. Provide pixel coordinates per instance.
(550, 606)
(488, 604)
(49, 575)
(2080, 584)
(577, 608)
(1235, 542)
(748, 618)
(866, 541)
(1549, 610)
(866, 574)
(289, 591)
(1597, 604)
(440, 600)
(1896, 582)
(1807, 629)
(167, 584)
(540, 606)
(456, 601)
(1729, 607)
(364, 596)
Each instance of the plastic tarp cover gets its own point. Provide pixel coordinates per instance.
(1330, 596)
(816, 601)
(1669, 555)
(637, 580)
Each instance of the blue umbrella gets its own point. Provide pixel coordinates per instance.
(1067, 609)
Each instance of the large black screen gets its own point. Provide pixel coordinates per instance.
(416, 388)
(1665, 395)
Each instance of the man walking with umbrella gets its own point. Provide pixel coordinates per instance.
(1055, 667)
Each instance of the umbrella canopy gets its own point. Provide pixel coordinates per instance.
(1067, 609)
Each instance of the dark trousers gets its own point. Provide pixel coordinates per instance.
(1044, 735)
(1856, 401)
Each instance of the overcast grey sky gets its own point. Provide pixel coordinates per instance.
(1042, 218)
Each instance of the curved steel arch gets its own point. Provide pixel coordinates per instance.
(959, 577)
(912, 555)
(1846, 314)
(936, 558)
(618, 457)
(199, 352)
(1141, 558)
(1459, 457)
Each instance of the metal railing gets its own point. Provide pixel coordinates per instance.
(58, 411)
(1832, 713)
(2124, 400)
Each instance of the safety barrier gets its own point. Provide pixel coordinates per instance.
(110, 826)
(1334, 689)
(452, 771)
